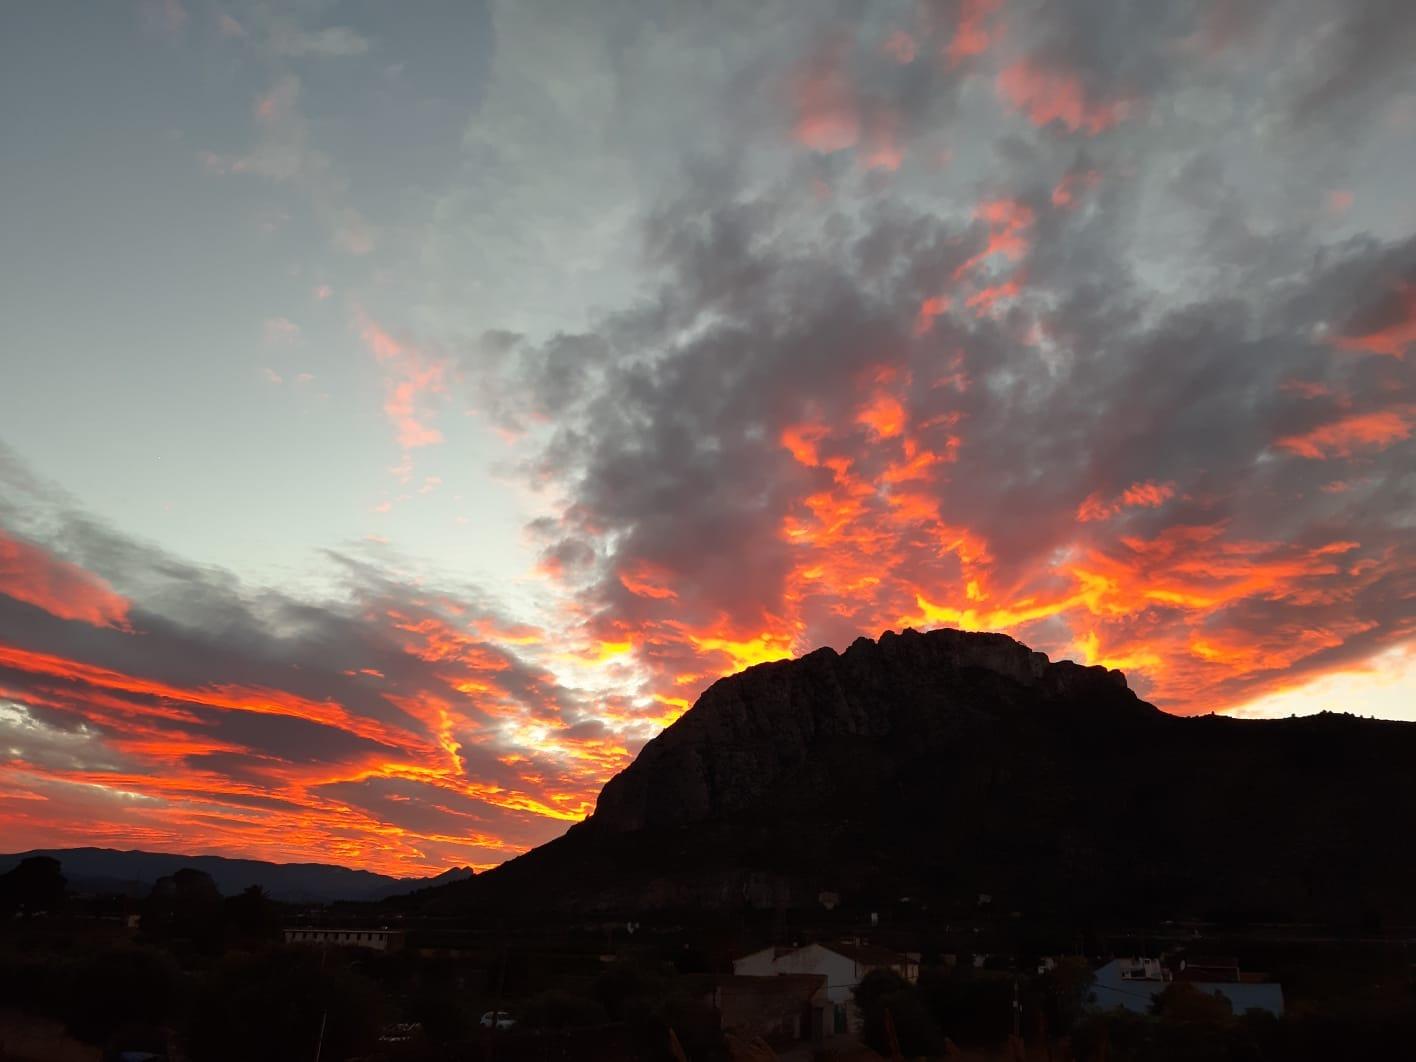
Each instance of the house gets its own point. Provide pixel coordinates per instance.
(1245, 990)
(1128, 984)
(843, 965)
(1133, 983)
(373, 939)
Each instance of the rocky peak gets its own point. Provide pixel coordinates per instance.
(752, 729)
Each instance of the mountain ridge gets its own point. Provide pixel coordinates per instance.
(134, 871)
(945, 764)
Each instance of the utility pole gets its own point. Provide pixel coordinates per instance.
(324, 1018)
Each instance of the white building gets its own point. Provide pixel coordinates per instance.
(843, 965)
(1133, 983)
(373, 939)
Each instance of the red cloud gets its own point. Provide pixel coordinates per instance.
(1066, 191)
(412, 376)
(1047, 96)
(901, 47)
(1394, 329)
(1347, 436)
(1137, 495)
(973, 35)
(824, 99)
(31, 575)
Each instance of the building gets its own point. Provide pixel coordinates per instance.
(373, 939)
(843, 966)
(1133, 983)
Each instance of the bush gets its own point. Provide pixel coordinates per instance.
(272, 1006)
(886, 999)
(562, 1010)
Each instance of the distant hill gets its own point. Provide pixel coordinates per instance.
(944, 765)
(107, 870)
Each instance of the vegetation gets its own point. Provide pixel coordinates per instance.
(212, 974)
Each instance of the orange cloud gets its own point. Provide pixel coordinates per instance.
(1137, 495)
(883, 415)
(31, 575)
(929, 309)
(1349, 435)
(648, 580)
(412, 376)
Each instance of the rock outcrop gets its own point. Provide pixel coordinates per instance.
(752, 729)
(941, 765)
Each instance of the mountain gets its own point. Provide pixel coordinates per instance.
(106, 870)
(946, 764)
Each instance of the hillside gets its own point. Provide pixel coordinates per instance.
(945, 764)
(106, 870)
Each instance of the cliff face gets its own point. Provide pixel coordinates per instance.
(944, 764)
(750, 731)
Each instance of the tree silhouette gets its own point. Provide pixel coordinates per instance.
(36, 886)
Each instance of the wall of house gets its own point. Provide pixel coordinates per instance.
(376, 940)
(841, 973)
(1110, 991)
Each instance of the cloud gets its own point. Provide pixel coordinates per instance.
(283, 154)
(1351, 434)
(413, 376)
(202, 714)
(30, 574)
(228, 26)
(1387, 325)
(976, 30)
(330, 42)
(280, 331)
(169, 17)
(1355, 56)
(1120, 381)
(1050, 95)
(1085, 466)
(827, 114)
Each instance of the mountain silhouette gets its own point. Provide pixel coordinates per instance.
(943, 765)
(109, 871)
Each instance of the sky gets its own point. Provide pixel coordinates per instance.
(407, 410)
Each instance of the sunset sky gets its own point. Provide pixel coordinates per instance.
(408, 409)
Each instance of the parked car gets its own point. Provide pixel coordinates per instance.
(497, 1019)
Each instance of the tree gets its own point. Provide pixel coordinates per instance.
(884, 992)
(1183, 1002)
(1062, 992)
(971, 1007)
(253, 915)
(185, 906)
(561, 1010)
(119, 987)
(273, 1006)
(36, 886)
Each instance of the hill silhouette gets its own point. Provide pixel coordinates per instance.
(942, 765)
(110, 871)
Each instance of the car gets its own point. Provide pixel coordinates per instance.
(497, 1019)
